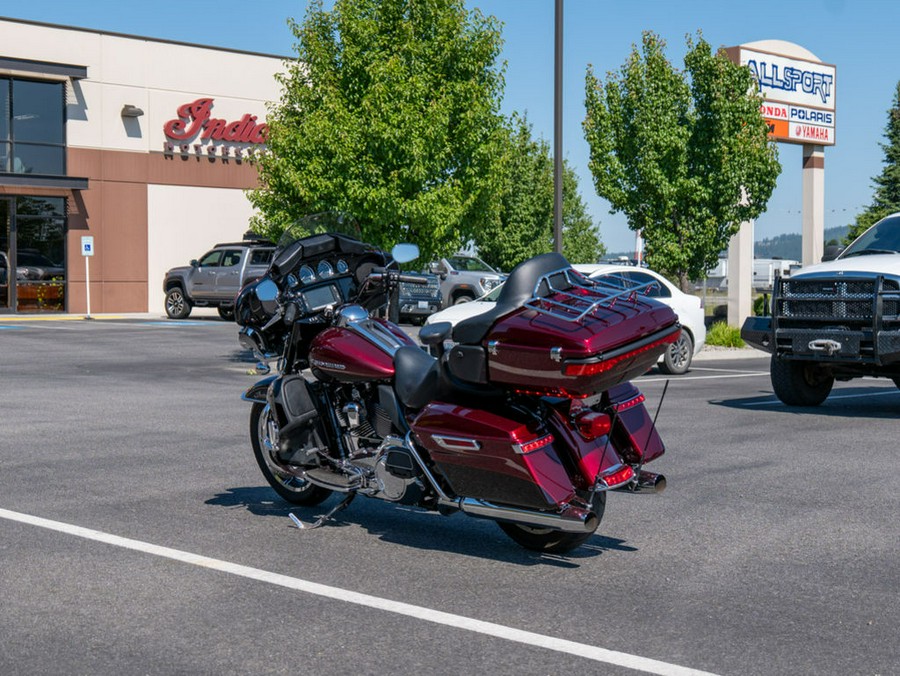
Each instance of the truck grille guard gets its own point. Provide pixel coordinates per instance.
(826, 314)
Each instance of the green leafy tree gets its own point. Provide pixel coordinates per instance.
(581, 241)
(683, 154)
(887, 186)
(525, 224)
(389, 113)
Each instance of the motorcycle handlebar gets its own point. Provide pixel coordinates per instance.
(395, 276)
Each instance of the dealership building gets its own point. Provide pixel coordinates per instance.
(120, 157)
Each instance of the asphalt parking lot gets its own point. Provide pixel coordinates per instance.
(138, 536)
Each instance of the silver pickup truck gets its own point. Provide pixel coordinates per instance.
(215, 279)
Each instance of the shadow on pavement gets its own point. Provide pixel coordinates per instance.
(419, 529)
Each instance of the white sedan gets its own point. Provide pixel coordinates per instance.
(676, 360)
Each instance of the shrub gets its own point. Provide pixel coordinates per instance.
(759, 306)
(724, 336)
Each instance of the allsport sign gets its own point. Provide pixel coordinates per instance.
(800, 94)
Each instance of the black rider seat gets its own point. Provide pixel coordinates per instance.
(521, 286)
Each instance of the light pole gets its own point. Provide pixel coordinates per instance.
(557, 129)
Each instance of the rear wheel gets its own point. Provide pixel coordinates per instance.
(264, 438)
(677, 358)
(800, 383)
(177, 304)
(548, 539)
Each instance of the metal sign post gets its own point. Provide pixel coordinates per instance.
(87, 250)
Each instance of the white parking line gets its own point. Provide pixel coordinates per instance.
(678, 379)
(426, 614)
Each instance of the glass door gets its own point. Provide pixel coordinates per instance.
(39, 230)
(7, 272)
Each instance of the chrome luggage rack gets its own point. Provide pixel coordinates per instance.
(573, 307)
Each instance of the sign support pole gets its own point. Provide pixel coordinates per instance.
(87, 286)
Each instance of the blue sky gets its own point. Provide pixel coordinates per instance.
(858, 37)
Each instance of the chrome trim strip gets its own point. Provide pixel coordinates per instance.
(377, 334)
(456, 443)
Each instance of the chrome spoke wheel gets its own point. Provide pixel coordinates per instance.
(264, 438)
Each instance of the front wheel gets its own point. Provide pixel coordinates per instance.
(226, 312)
(677, 357)
(550, 540)
(177, 304)
(264, 438)
(800, 383)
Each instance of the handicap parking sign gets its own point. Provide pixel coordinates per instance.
(87, 245)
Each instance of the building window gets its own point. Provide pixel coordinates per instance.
(32, 127)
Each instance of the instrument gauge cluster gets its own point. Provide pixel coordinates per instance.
(324, 269)
(307, 276)
(312, 272)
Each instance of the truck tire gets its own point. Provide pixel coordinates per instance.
(177, 304)
(800, 383)
(463, 298)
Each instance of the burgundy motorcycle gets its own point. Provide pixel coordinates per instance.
(526, 416)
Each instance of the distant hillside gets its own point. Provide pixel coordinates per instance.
(789, 245)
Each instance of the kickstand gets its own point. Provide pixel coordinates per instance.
(325, 517)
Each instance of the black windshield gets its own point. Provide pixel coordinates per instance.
(883, 237)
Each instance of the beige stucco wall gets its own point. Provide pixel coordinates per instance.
(184, 223)
(153, 75)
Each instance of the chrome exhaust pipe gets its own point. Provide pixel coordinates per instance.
(570, 519)
(648, 482)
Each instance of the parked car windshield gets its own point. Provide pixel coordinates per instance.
(883, 237)
(469, 264)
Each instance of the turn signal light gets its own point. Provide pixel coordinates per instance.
(593, 424)
(534, 444)
(617, 476)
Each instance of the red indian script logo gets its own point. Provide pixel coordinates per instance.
(196, 118)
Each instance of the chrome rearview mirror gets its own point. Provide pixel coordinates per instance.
(404, 253)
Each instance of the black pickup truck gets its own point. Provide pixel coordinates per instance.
(215, 278)
(837, 320)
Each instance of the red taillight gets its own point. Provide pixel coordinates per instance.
(631, 403)
(593, 424)
(594, 367)
(589, 369)
(534, 444)
(617, 476)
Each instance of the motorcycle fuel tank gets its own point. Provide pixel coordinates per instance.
(360, 352)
